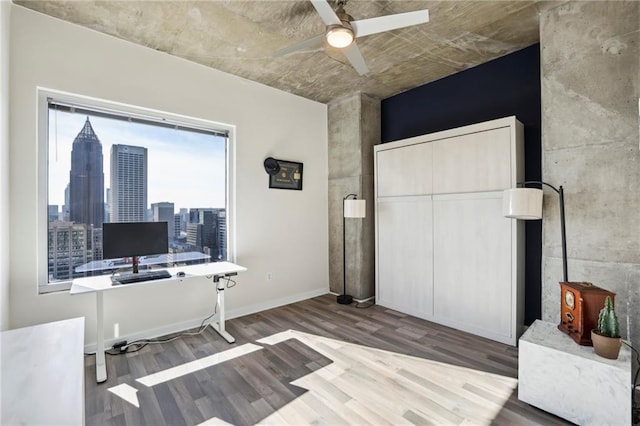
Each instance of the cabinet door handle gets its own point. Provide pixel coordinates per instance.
(569, 316)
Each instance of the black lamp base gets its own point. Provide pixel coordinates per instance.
(345, 299)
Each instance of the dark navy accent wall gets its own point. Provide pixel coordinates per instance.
(503, 87)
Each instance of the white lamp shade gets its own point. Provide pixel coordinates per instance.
(355, 208)
(522, 203)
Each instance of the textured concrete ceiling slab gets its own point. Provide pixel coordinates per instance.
(239, 37)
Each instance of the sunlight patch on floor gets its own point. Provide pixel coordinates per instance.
(364, 385)
(367, 385)
(214, 422)
(199, 364)
(126, 392)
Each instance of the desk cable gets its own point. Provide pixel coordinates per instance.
(635, 410)
(136, 345)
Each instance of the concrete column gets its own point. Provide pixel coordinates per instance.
(590, 138)
(354, 128)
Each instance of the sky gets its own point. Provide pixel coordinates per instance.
(185, 168)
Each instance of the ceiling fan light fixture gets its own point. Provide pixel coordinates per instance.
(340, 35)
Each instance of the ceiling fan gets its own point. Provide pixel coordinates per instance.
(342, 30)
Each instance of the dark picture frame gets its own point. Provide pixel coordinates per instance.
(288, 177)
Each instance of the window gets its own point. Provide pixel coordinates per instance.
(107, 162)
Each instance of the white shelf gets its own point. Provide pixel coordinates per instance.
(557, 375)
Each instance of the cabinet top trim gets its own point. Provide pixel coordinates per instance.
(510, 121)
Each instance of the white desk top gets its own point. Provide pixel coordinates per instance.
(43, 374)
(103, 282)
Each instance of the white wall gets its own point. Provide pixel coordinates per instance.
(277, 231)
(5, 12)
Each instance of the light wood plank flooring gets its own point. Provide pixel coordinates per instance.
(315, 362)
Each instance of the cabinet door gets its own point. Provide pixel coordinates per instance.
(472, 264)
(405, 255)
(404, 171)
(473, 162)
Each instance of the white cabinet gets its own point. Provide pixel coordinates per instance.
(405, 170)
(405, 232)
(472, 162)
(444, 252)
(471, 239)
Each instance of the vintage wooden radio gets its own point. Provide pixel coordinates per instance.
(580, 304)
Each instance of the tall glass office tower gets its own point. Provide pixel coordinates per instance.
(128, 183)
(86, 179)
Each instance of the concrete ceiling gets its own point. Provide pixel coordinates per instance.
(239, 37)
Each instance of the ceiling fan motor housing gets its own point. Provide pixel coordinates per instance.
(342, 14)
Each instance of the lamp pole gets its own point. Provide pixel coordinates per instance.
(344, 298)
(563, 232)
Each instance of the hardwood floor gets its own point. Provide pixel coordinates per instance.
(315, 362)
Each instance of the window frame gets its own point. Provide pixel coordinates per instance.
(44, 95)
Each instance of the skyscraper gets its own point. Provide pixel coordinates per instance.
(52, 213)
(184, 219)
(207, 218)
(194, 235)
(222, 234)
(72, 245)
(176, 226)
(208, 221)
(163, 212)
(128, 183)
(86, 179)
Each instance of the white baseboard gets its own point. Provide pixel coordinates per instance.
(187, 325)
(270, 304)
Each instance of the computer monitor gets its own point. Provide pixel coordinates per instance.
(133, 239)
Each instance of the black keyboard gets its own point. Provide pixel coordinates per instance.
(142, 276)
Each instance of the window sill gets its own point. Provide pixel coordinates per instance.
(57, 287)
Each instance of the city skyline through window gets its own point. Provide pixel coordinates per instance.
(108, 167)
(198, 159)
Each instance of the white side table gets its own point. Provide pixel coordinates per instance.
(43, 374)
(571, 381)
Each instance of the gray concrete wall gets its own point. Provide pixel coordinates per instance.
(590, 88)
(354, 128)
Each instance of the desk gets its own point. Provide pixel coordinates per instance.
(571, 381)
(43, 374)
(102, 283)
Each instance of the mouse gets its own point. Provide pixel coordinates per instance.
(180, 274)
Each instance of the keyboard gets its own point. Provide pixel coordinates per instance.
(140, 277)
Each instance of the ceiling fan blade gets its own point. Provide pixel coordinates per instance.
(311, 43)
(325, 11)
(365, 27)
(355, 57)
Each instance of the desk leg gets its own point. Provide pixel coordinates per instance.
(219, 326)
(101, 365)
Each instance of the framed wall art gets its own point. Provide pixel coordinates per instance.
(289, 176)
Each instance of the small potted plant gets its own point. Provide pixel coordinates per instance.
(606, 338)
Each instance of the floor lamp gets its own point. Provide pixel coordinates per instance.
(526, 204)
(354, 208)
